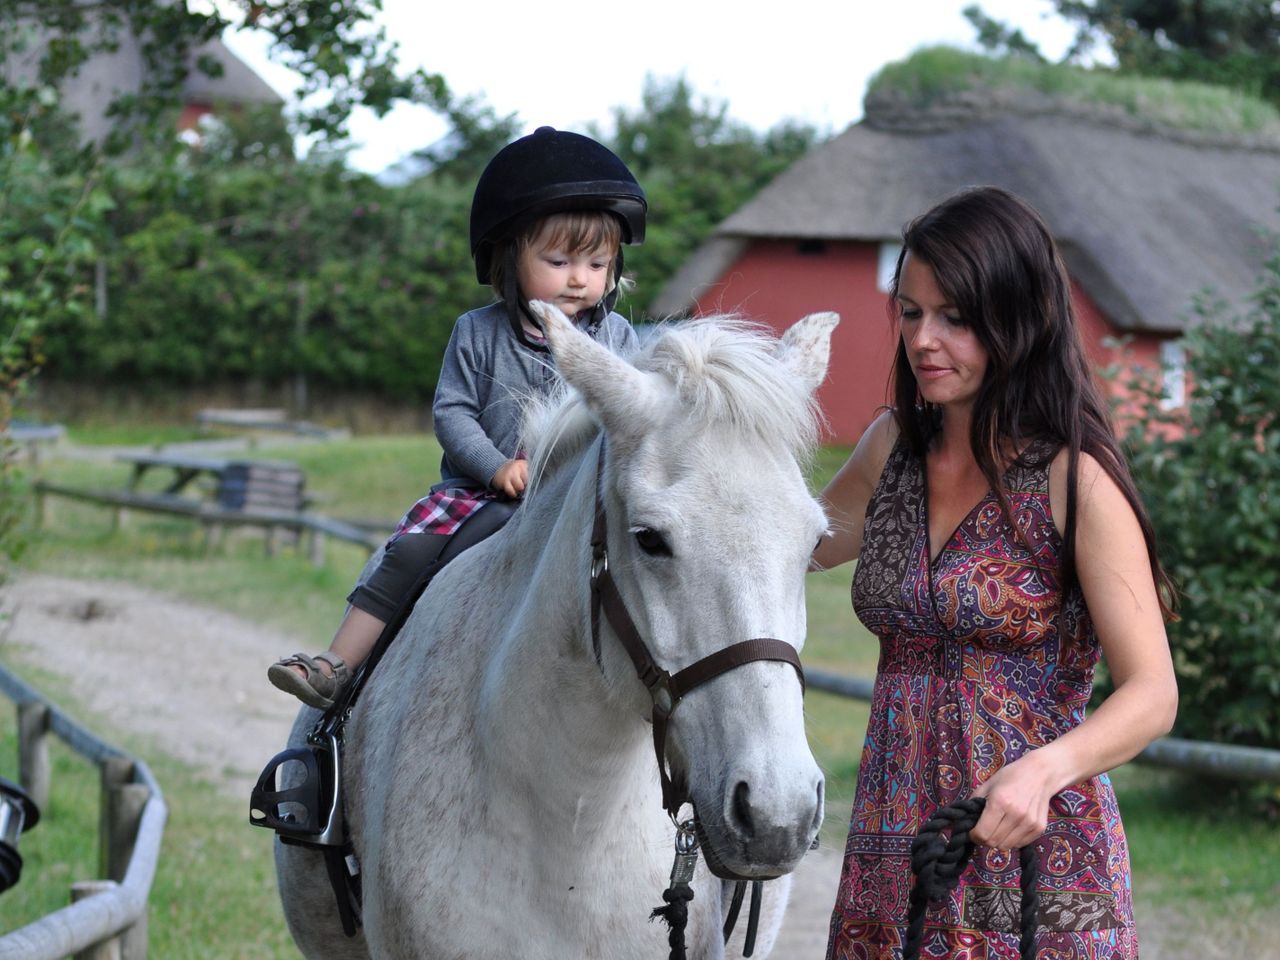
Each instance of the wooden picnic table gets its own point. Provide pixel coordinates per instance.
(239, 484)
(186, 468)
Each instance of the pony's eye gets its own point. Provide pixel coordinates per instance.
(651, 542)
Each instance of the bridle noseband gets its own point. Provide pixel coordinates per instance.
(665, 689)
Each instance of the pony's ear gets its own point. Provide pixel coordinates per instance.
(805, 348)
(614, 390)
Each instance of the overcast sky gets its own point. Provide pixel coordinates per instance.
(568, 64)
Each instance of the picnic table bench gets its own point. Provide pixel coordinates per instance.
(256, 493)
(31, 436)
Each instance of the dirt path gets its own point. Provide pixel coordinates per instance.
(190, 679)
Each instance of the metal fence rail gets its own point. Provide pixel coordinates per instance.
(111, 913)
(1191, 756)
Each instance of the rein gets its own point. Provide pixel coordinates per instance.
(666, 690)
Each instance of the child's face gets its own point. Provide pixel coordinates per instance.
(572, 281)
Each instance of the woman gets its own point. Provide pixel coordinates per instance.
(1004, 549)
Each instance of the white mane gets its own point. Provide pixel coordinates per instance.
(726, 373)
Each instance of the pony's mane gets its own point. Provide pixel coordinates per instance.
(726, 372)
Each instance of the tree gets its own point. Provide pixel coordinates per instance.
(1210, 476)
(697, 166)
(998, 37)
(1231, 43)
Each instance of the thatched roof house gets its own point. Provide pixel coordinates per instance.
(1147, 218)
(107, 75)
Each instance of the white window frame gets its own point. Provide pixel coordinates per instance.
(1173, 374)
(887, 264)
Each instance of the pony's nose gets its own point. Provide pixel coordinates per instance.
(751, 824)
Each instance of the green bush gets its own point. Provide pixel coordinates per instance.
(262, 272)
(1211, 478)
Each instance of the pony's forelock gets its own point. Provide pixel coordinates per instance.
(726, 373)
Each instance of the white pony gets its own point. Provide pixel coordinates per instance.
(502, 792)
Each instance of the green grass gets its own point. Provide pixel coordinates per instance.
(935, 73)
(1193, 847)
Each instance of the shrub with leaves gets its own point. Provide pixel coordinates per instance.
(1210, 475)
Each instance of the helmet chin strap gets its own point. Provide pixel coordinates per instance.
(518, 306)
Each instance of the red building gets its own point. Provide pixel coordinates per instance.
(1146, 219)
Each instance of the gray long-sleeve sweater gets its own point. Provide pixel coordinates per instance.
(486, 375)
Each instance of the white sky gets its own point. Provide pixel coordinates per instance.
(567, 64)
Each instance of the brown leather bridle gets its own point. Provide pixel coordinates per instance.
(665, 689)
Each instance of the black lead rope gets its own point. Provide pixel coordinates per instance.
(938, 862)
(678, 895)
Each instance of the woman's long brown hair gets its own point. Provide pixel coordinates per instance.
(997, 264)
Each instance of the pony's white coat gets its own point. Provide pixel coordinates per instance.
(503, 795)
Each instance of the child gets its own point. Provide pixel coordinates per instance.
(548, 218)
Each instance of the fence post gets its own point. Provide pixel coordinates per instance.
(42, 506)
(316, 547)
(107, 949)
(33, 751)
(122, 804)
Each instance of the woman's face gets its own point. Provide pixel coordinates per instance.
(945, 354)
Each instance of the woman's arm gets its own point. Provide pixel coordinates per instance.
(846, 497)
(1119, 589)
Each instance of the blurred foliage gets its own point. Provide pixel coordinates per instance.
(1210, 474)
(1231, 43)
(1228, 43)
(939, 73)
(272, 268)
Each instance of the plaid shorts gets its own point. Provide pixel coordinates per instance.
(442, 511)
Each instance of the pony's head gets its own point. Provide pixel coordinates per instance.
(710, 530)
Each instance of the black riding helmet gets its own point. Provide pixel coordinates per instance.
(550, 171)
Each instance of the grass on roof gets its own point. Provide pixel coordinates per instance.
(934, 74)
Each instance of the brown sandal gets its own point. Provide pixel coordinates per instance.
(316, 688)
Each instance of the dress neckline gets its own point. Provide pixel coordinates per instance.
(1028, 457)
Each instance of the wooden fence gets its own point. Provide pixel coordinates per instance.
(107, 917)
(1190, 756)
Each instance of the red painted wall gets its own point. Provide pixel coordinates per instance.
(775, 283)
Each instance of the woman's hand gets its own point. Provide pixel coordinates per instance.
(1017, 810)
(512, 477)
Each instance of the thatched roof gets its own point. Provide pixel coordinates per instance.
(238, 83)
(1146, 217)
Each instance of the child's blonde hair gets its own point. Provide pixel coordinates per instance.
(575, 231)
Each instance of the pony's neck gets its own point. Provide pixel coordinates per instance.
(564, 742)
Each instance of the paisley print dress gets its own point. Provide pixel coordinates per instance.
(982, 658)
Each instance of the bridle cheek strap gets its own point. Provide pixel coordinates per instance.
(665, 689)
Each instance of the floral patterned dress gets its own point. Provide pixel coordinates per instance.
(982, 658)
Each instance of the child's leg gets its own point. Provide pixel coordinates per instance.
(317, 681)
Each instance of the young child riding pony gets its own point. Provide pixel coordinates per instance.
(549, 216)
